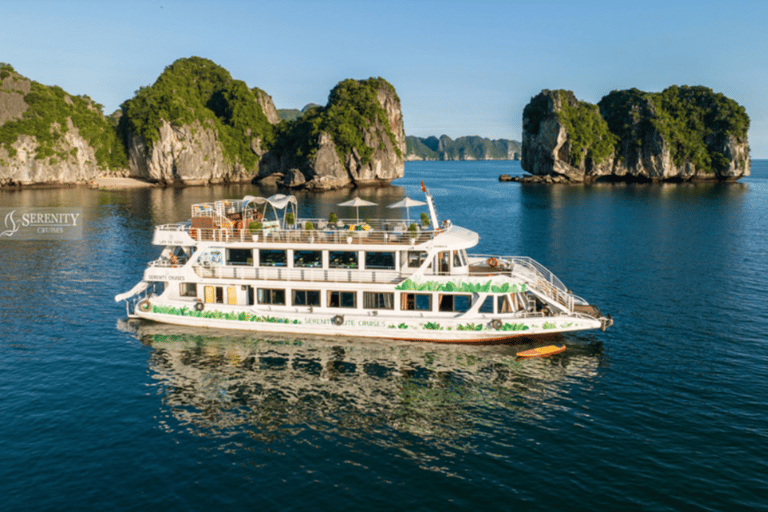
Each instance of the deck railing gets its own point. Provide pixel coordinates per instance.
(536, 276)
(318, 275)
(381, 231)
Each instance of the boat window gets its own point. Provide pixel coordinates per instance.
(487, 305)
(458, 303)
(444, 262)
(342, 299)
(342, 259)
(312, 259)
(188, 289)
(272, 258)
(416, 258)
(457, 259)
(306, 297)
(503, 304)
(380, 260)
(239, 256)
(271, 296)
(213, 256)
(416, 301)
(378, 300)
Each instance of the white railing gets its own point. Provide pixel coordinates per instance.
(327, 235)
(167, 263)
(301, 274)
(535, 274)
(179, 226)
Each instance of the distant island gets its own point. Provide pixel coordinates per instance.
(443, 148)
(197, 125)
(680, 134)
(463, 148)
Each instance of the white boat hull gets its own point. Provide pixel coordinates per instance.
(451, 330)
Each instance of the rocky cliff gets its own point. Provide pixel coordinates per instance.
(681, 134)
(50, 137)
(356, 139)
(197, 125)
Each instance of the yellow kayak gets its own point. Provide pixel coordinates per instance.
(541, 351)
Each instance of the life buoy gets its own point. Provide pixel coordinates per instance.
(145, 305)
(338, 320)
(493, 262)
(199, 306)
(496, 324)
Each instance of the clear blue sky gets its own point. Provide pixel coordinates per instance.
(459, 67)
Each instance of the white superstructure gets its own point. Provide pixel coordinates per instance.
(251, 264)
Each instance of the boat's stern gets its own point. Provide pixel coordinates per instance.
(593, 311)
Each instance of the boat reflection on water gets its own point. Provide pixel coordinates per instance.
(226, 384)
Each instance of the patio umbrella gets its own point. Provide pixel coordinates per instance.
(407, 203)
(357, 203)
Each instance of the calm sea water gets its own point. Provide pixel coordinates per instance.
(667, 410)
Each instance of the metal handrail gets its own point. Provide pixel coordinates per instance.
(318, 236)
(308, 274)
(536, 275)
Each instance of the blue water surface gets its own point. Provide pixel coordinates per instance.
(664, 411)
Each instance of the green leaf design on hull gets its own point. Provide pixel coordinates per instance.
(460, 286)
(243, 316)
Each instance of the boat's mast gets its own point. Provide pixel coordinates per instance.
(431, 205)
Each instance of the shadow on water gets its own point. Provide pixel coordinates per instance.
(225, 385)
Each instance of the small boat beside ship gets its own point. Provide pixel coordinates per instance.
(253, 264)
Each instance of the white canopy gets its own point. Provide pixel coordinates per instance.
(277, 202)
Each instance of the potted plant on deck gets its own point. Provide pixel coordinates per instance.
(255, 228)
(309, 227)
(413, 231)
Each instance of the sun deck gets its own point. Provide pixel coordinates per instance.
(378, 231)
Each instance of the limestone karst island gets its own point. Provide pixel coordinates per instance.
(197, 125)
(681, 134)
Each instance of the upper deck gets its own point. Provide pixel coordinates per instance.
(270, 221)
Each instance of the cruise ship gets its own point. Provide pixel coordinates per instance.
(253, 264)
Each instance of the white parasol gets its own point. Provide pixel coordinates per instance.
(407, 203)
(357, 203)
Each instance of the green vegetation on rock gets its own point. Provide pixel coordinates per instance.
(5, 70)
(692, 120)
(351, 111)
(588, 132)
(47, 119)
(198, 90)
